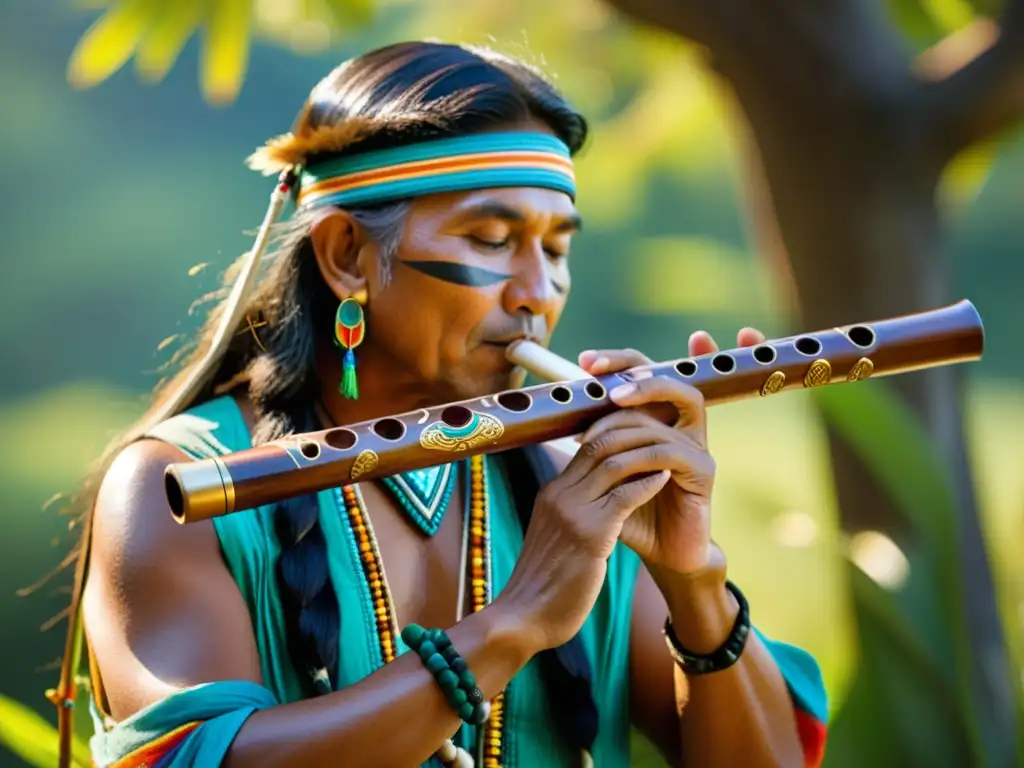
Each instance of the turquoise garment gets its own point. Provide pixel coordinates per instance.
(222, 708)
(250, 549)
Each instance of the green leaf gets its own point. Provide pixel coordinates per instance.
(898, 710)
(25, 733)
(898, 452)
(225, 54)
(949, 15)
(351, 13)
(165, 39)
(966, 175)
(915, 22)
(109, 42)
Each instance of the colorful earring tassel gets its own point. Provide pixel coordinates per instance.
(349, 330)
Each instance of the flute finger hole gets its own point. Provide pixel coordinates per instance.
(310, 449)
(456, 416)
(561, 395)
(389, 429)
(517, 402)
(594, 390)
(806, 345)
(341, 439)
(686, 368)
(861, 335)
(723, 363)
(765, 354)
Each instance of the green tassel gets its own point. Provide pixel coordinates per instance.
(349, 386)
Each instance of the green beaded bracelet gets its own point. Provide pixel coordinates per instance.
(450, 671)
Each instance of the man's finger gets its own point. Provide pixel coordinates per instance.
(693, 468)
(701, 343)
(598, 361)
(749, 337)
(661, 389)
(596, 448)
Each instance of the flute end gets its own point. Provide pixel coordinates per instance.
(198, 490)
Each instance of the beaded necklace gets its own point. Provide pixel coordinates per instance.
(476, 554)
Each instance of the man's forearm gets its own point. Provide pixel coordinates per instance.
(742, 715)
(396, 716)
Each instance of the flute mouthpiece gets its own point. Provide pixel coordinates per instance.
(542, 362)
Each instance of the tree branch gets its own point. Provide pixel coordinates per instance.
(687, 18)
(977, 80)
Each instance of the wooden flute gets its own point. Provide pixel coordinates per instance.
(566, 406)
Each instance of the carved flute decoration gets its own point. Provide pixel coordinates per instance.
(316, 461)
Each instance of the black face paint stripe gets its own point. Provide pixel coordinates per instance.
(558, 288)
(459, 274)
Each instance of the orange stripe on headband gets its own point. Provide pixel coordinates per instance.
(470, 162)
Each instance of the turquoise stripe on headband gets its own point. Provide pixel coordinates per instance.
(463, 181)
(446, 165)
(439, 148)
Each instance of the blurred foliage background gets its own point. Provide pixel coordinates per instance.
(124, 201)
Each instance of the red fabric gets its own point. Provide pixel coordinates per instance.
(813, 734)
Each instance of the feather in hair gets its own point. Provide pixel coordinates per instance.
(293, 149)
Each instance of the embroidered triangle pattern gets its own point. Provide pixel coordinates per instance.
(424, 495)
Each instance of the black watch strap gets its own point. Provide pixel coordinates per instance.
(722, 658)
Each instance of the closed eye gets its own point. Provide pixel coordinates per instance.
(494, 245)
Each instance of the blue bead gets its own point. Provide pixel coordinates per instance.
(413, 635)
(436, 664)
(457, 697)
(426, 650)
(440, 639)
(448, 680)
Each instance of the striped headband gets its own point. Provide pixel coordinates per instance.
(457, 164)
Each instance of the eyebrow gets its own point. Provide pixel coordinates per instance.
(496, 210)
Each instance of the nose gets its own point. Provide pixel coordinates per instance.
(531, 290)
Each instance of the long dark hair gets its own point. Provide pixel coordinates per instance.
(391, 96)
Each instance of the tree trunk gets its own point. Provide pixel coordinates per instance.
(862, 232)
(850, 145)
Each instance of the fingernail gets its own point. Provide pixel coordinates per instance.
(586, 357)
(600, 364)
(622, 392)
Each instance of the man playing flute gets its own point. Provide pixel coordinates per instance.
(521, 609)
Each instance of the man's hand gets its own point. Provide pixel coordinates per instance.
(673, 530)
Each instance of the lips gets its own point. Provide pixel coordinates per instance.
(511, 339)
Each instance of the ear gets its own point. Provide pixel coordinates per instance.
(337, 241)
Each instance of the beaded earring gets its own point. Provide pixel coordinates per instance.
(349, 330)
